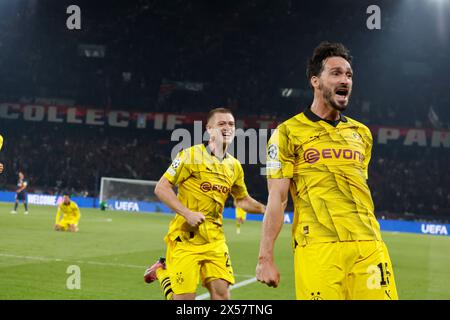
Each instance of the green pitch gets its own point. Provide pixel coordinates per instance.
(113, 249)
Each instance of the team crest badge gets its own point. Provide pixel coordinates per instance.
(316, 296)
(180, 278)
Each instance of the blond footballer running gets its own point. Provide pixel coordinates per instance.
(196, 248)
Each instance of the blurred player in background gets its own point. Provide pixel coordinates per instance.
(21, 193)
(241, 215)
(71, 215)
(1, 145)
(196, 249)
(323, 158)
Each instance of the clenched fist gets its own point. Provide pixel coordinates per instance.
(195, 218)
(267, 272)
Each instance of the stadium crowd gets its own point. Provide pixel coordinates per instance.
(57, 158)
(243, 55)
(409, 182)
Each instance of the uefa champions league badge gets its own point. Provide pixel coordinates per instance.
(272, 151)
(176, 163)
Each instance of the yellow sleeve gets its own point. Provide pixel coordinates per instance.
(280, 155)
(368, 140)
(77, 213)
(239, 189)
(180, 169)
(1, 142)
(58, 215)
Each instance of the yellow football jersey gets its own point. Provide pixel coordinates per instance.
(1, 141)
(204, 184)
(327, 163)
(71, 212)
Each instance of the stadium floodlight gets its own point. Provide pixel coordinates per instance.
(286, 92)
(119, 189)
(290, 92)
(91, 50)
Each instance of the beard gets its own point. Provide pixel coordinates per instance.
(328, 98)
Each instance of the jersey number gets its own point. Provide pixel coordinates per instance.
(227, 263)
(379, 276)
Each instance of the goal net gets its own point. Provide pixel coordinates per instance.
(131, 190)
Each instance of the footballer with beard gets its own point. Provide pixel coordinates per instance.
(322, 158)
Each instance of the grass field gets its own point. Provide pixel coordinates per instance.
(113, 249)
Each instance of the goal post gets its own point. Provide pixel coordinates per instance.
(119, 189)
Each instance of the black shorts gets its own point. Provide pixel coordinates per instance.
(21, 196)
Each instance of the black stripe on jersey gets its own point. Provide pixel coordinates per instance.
(316, 215)
(332, 179)
(347, 193)
(356, 207)
(332, 222)
(364, 210)
(328, 134)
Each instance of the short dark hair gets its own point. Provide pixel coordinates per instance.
(323, 51)
(217, 110)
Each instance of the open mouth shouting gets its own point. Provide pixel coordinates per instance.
(342, 95)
